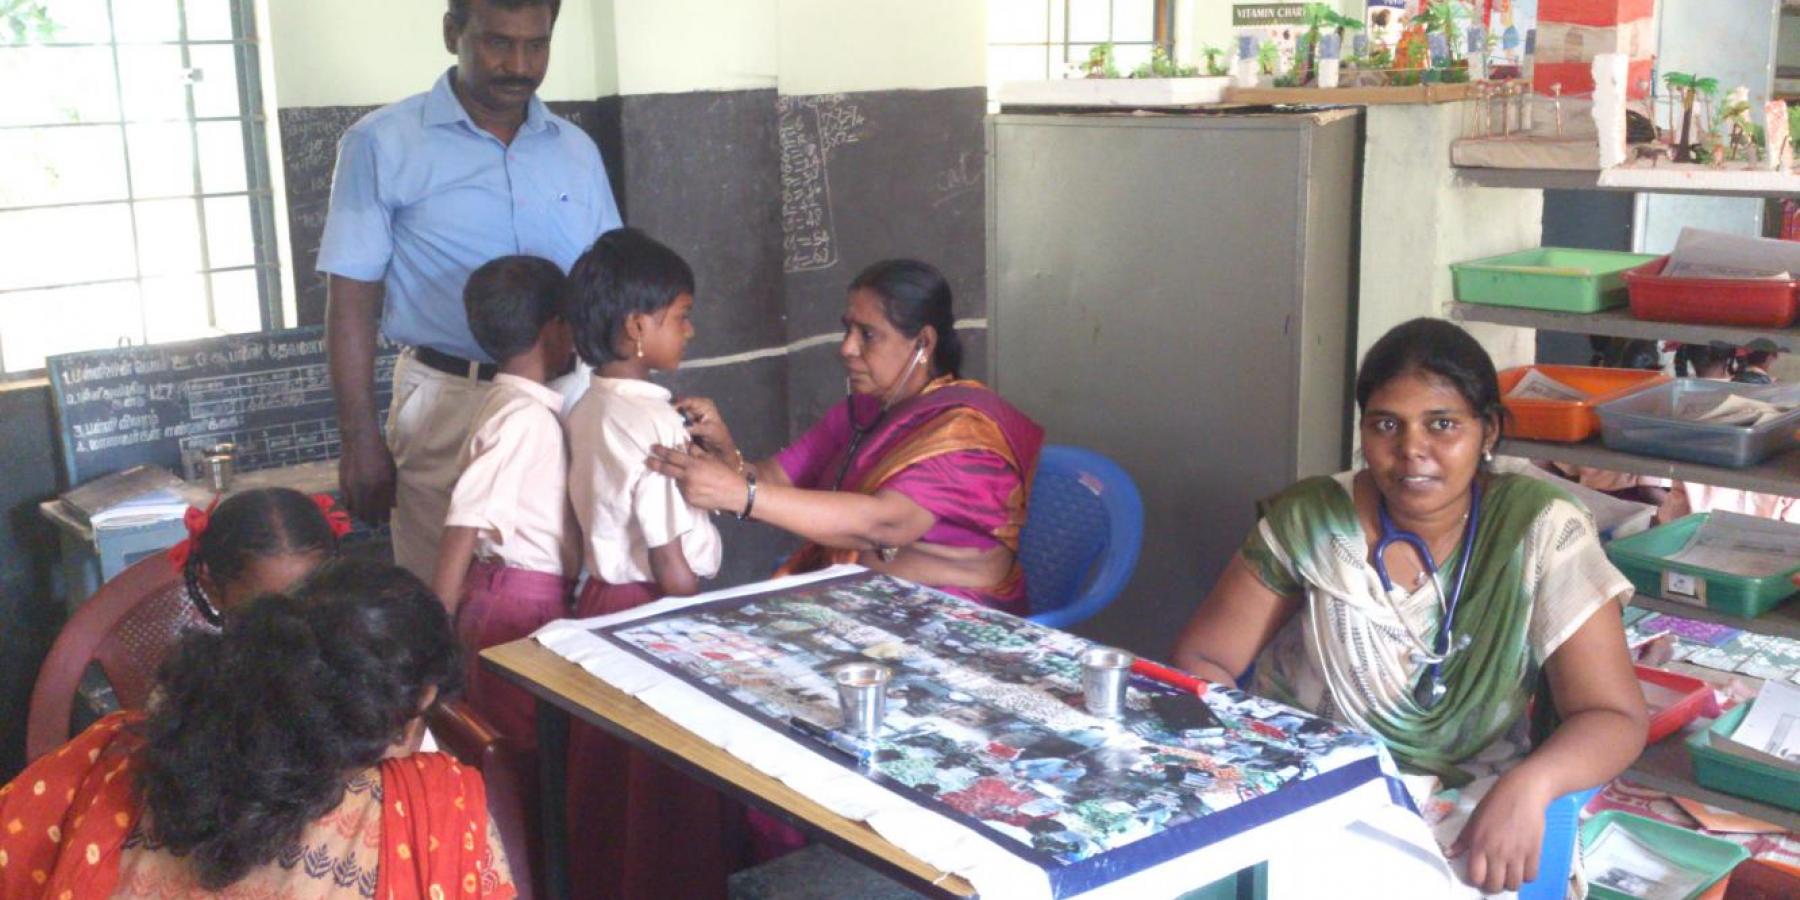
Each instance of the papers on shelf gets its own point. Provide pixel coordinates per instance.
(155, 506)
(1538, 386)
(1772, 726)
(1729, 409)
(1737, 544)
(1617, 859)
(134, 496)
(1713, 254)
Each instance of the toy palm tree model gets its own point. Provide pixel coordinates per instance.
(1690, 87)
(1440, 16)
(1318, 17)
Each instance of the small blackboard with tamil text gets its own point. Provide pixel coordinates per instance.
(268, 394)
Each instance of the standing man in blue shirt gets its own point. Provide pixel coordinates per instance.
(426, 190)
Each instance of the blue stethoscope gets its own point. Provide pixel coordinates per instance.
(1430, 689)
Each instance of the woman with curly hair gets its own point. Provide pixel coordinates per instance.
(277, 759)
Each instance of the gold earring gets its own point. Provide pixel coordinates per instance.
(640, 349)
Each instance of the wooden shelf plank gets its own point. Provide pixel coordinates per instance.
(1778, 475)
(1620, 322)
(1668, 178)
(1782, 621)
(1352, 96)
(1665, 766)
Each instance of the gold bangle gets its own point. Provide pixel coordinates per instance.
(740, 460)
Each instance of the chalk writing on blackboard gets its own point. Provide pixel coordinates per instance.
(809, 129)
(959, 179)
(269, 394)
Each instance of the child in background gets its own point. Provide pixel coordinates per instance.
(1755, 368)
(651, 831)
(252, 543)
(255, 542)
(507, 557)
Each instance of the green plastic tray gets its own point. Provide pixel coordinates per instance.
(1738, 776)
(1690, 849)
(1552, 278)
(1644, 559)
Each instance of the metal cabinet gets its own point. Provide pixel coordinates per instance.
(1176, 292)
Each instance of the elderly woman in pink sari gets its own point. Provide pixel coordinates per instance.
(918, 473)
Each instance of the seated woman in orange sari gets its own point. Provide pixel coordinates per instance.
(918, 473)
(276, 761)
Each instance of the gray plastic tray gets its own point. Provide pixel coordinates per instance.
(1646, 423)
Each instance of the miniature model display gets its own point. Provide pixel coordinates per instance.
(1441, 42)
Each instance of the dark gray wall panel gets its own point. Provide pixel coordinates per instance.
(1590, 220)
(29, 615)
(701, 175)
(903, 175)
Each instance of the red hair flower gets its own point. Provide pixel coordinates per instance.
(196, 520)
(336, 518)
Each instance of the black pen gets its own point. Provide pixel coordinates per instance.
(861, 754)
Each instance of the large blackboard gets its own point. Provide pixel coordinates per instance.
(269, 394)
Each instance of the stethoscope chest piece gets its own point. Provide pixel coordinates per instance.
(1429, 690)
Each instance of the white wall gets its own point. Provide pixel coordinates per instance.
(362, 52)
(1416, 221)
(799, 46)
(675, 46)
(836, 46)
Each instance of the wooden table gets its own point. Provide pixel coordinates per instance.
(564, 690)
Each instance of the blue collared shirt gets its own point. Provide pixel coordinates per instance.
(421, 196)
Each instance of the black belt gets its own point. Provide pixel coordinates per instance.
(454, 365)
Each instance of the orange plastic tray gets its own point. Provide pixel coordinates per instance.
(1694, 694)
(1711, 301)
(1569, 421)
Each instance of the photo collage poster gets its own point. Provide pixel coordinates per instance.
(986, 723)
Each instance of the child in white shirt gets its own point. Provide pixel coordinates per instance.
(508, 555)
(628, 299)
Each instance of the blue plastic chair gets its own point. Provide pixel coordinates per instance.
(1082, 535)
(1556, 855)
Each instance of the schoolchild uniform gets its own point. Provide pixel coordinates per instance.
(514, 492)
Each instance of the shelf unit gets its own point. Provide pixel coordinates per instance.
(1672, 178)
(1663, 766)
(1779, 475)
(1621, 323)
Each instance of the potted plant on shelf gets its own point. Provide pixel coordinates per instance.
(1215, 67)
(1159, 82)
(1268, 59)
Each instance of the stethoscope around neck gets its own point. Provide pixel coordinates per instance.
(1430, 689)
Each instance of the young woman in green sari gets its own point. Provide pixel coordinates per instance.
(1442, 662)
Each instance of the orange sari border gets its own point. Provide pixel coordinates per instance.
(952, 430)
(65, 820)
